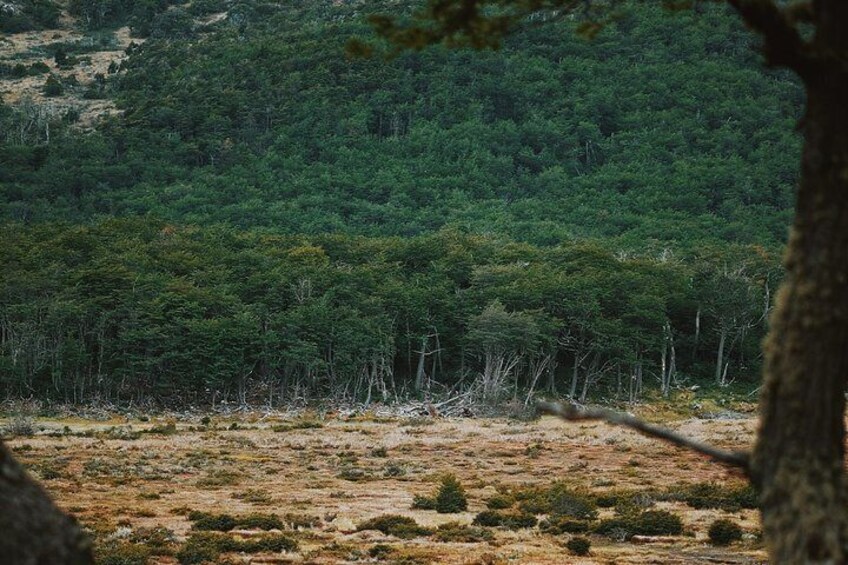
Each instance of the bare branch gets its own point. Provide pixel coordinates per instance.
(571, 412)
(783, 45)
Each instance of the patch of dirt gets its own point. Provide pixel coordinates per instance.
(29, 47)
(139, 482)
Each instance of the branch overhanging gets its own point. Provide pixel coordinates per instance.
(571, 412)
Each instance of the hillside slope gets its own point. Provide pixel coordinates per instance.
(664, 130)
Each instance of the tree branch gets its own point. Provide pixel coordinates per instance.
(783, 45)
(571, 412)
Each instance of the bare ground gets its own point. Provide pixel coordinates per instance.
(337, 473)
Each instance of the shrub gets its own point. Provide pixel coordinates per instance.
(657, 523)
(260, 522)
(225, 522)
(212, 522)
(712, 495)
(557, 525)
(207, 546)
(456, 532)
(557, 500)
(500, 502)
(421, 502)
(509, 520)
(618, 529)
(53, 87)
(451, 497)
(21, 425)
(579, 546)
(122, 553)
(395, 525)
(724, 532)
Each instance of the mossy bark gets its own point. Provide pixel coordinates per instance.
(33, 531)
(799, 458)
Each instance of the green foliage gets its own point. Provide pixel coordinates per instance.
(579, 546)
(657, 523)
(649, 523)
(512, 520)
(558, 525)
(395, 525)
(208, 546)
(500, 502)
(454, 532)
(287, 135)
(422, 502)
(122, 553)
(450, 498)
(714, 495)
(224, 522)
(28, 15)
(142, 310)
(559, 501)
(724, 532)
(53, 87)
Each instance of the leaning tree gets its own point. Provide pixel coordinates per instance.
(797, 462)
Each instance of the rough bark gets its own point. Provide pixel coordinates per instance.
(33, 531)
(798, 461)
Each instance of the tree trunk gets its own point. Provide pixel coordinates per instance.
(720, 356)
(798, 460)
(34, 530)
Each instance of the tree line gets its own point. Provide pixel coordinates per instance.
(139, 310)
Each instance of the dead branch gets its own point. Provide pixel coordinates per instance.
(571, 412)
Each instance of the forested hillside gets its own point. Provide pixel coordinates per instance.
(269, 217)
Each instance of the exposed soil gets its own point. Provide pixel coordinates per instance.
(131, 483)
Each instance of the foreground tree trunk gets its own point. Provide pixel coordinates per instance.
(33, 531)
(799, 458)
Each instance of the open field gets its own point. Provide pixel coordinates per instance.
(324, 477)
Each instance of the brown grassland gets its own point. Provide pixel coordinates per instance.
(134, 484)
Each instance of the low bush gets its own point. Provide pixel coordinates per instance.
(507, 519)
(395, 525)
(579, 546)
(451, 496)
(122, 553)
(657, 523)
(557, 525)
(500, 502)
(208, 546)
(713, 495)
(724, 532)
(456, 532)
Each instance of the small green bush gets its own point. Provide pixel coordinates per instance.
(456, 532)
(712, 495)
(122, 553)
(212, 522)
(224, 522)
(507, 519)
(618, 529)
(451, 496)
(500, 502)
(207, 546)
(724, 532)
(421, 502)
(657, 523)
(579, 546)
(395, 525)
(557, 525)
(558, 500)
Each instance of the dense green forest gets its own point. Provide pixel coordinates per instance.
(270, 218)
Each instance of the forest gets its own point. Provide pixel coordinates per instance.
(268, 219)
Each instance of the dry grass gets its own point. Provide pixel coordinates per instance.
(119, 485)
